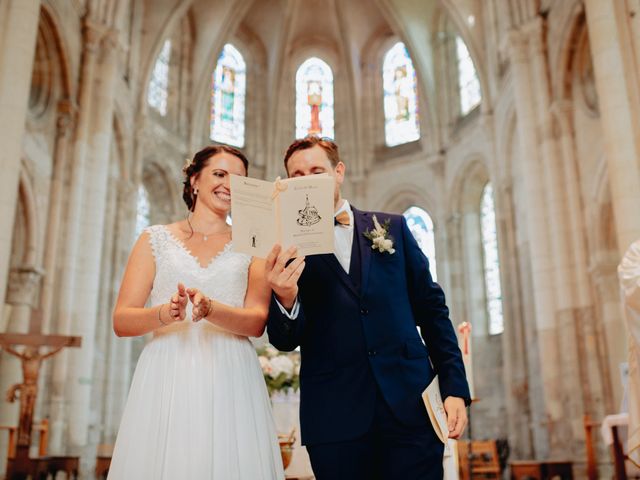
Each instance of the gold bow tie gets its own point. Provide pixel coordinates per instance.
(342, 219)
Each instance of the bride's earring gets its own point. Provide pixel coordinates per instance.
(195, 191)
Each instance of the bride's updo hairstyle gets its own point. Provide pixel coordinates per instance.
(200, 161)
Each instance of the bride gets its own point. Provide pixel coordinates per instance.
(198, 406)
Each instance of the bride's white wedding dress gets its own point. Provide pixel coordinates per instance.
(198, 407)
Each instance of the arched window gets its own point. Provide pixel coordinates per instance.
(493, 288)
(314, 99)
(143, 217)
(468, 83)
(228, 98)
(400, 97)
(421, 226)
(158, 91)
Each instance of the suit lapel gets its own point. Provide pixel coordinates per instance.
(362, 222)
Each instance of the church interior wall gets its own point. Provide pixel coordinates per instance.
(443, 173)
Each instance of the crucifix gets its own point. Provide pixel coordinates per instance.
(36, 347)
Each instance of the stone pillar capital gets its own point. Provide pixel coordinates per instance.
(127, 188)
(517, 45)
(92, 33)
(65, 117)
(23, 285)
(534, 27)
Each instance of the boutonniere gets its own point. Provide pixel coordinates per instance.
(379, 236)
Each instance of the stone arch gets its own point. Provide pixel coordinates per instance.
(121, 141)
(51, 64)
(165, 196)
(601, 215)
(26, 235)
(506, 139)
(255, 57)
(448, 12)
(404, 196)
(201, 72)
(575, 66)
(376, 49)
(468, 180)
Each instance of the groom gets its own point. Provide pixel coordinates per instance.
(364, 366)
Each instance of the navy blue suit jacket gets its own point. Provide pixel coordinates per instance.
(357, 331)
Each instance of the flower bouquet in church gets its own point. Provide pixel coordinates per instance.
(281, 370)
(282, 375)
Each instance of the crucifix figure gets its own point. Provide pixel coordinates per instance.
(31, 359)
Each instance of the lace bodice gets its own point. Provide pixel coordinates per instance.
(224, 279)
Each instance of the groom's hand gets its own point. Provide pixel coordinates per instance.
(283, 278)
(456, 416)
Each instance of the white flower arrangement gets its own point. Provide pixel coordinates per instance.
(379, 236)
(281, 371)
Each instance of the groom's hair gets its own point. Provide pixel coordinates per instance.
(310, 141)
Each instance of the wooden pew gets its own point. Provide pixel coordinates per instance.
(481, 462)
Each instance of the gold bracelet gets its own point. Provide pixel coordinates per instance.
(210, 308)
(160, 315)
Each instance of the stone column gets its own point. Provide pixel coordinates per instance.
(594, 367)
(455, 278)
(64, 125)
(104, 330)
(541, 259)
(119, 357)
(22, 294)
(618, 84)
(18, 33)
(91, 235)
(610, 328)
(92, 35)
(514, 340)
(571, 384)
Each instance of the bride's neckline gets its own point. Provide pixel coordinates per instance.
(186, 250)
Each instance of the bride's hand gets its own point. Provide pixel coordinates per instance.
(178, 304)
(202, 305)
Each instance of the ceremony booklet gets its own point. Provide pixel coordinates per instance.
(435, 408)
(295, 211)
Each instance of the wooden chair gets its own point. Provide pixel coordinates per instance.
(43, 440)
(541, 470)
(102, 467)
(481, 462)
(103, 460)
(48, 467)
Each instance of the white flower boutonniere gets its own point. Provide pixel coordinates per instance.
(379, 236)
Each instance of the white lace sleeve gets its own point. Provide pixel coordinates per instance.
(157, 240)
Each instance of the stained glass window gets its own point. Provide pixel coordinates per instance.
(491, 261)
(228, 98)
(314, 99)
(400, 97)
(159, 85)
(468, 83)
(143, 218)
(421, 226)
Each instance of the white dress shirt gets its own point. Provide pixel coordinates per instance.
(343, 237)
(343, 241)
